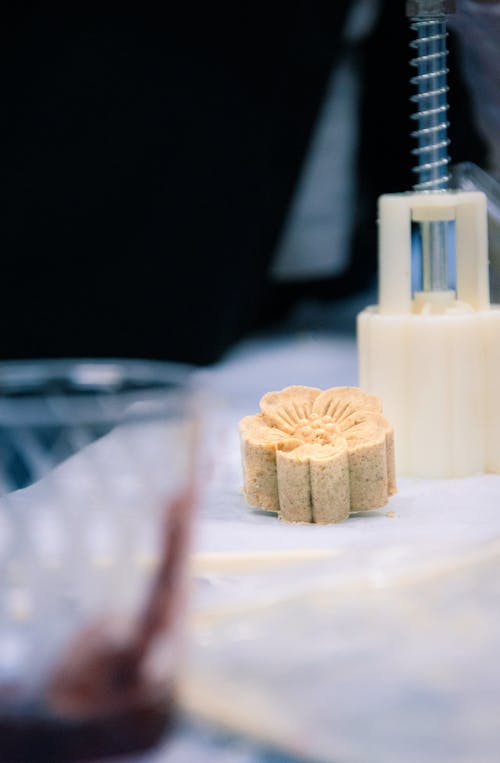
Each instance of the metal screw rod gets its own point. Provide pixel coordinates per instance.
(429, 24)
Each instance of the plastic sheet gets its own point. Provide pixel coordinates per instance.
(383, 646)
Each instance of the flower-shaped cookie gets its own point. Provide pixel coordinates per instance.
(314, 456)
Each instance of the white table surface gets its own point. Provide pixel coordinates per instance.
(384, 651)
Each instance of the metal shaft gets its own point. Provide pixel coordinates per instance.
(430, 81)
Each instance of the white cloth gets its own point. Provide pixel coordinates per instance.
(384, 651)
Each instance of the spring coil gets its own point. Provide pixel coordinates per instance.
(432, 104)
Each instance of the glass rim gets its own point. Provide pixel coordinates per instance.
(115, 384)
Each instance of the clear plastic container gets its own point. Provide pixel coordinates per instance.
(469, 177)
(97, 485)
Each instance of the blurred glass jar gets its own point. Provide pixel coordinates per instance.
(97, 486)
(470, 177)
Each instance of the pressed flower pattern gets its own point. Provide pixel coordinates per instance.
(314, 456)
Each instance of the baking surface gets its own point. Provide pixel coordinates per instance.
(440, 516)
(372, 640)
(386, 623)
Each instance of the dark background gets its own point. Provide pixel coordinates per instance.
(149, 158)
